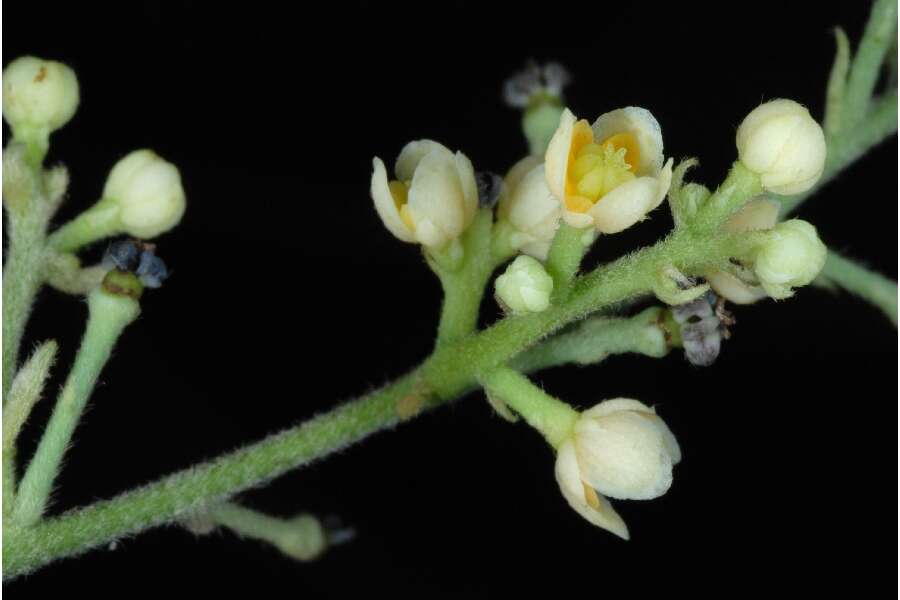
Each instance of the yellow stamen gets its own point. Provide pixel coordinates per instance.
(400, 194)
(597, 169)
(591, 497)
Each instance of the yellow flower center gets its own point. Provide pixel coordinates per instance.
(597, 169)
(400, 194)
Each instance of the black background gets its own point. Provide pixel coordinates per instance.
(288, 296)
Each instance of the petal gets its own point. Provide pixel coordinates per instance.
(608, 407)
(469, 186)
(758, 213)
(436, 202)
(512, 179)
(733, 289)
(624, 455)
(414, 152)
(532, 203)
(385, 205)
(631, 201)
(556, 159)
(641, 123)
(578, 220)
(599, 511)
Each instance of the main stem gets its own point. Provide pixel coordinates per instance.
(869, 285)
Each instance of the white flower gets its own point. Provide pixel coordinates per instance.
(793, 257)
(525, 286)
(621, 449)
(611, 174)
(742, 286)
(433, 199)
(781, 142)
(147, 192)
(529, 208)
(38, 94)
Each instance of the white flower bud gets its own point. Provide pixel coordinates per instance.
(529, 208)
(608, 175)
(780, 141)
(625, 451)
(619, 448)
(148, 193)
(525, 286)
(434, 198)
(38, 94)
(792, 257)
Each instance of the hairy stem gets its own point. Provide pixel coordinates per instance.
(869, 285)
(869, 60)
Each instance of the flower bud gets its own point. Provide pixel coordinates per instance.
(625, 451)
(619, 448)
(434, 198)
(39, 95)
(780, 141)
(148, 193)
(525, 286)
(529, 209)
(792, 257)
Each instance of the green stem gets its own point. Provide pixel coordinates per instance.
(21, 282)
(553, 418)
(592, 340)
(450, 371)
(301, 538)
(846, 148)
(98, 222)
(565, 256)
(739, 186)
(464, 287)
(837, 84)
(873, 287)
(108, 316)
(869, 60)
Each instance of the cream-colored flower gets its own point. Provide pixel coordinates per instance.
(529, 208)
(147, 192)
(611, 174)
(433, 199)
(781, 142)
(741, 286)
(621, 449)
(793, 256)
(38, 94)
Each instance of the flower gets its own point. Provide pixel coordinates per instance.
(147, 192)
(433, 199)
(741, 285)
(529, 208)
(525, 286)
(781, 142)
(38, 94)
(621, 449)
(792, 257)
(611, 174)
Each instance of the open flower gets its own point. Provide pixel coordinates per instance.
(620, 448)
(433, 199)
(741, 285)
(611, 174)
(528, 207)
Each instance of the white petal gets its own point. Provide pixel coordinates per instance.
(385, 205)
(643, 125)
(568, 477)
(532, 203)
(556, 159)
(469, 186)
(578, 220)
(607, 407)
(631, 201)
(624, 455)
(414, 152)
(733, 289)
(436, 202)
(512, 179)
(759, 213)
